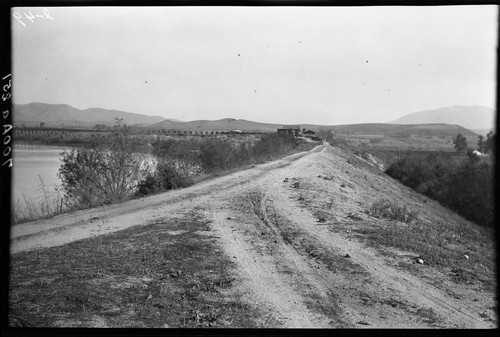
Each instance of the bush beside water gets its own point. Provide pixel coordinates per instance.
(115, 169)
(92, 177)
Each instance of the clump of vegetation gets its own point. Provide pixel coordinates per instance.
(483, 145)
(217, 155)
(384, 208)
(180, 161)
(273, 145)
(460, 143)
(336, 139)
(462, 183)
(166, 177)
(486, 145)
(103, 173)
(93, 177)
(177, 163)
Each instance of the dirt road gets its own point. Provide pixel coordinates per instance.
(302, 271)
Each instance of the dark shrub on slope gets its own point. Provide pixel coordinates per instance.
(461, 183)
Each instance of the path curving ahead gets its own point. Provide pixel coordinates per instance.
(291, 266)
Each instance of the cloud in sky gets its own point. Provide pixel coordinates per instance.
(325, 65)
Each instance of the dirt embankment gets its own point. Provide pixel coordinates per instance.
(288, 226)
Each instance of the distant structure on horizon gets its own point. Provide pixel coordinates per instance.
(290, 129)
(309, 134)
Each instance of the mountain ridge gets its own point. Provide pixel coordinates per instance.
(473, 117)
(66, 115)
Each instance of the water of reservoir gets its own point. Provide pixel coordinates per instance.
(32, 165)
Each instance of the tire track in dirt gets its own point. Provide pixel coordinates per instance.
(263, 284)
(401, 284)
(324, 281)
(276, 276)
(280, 277)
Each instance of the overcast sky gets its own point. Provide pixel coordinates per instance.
(322, 65)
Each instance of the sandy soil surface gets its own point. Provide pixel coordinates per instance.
(297, 269)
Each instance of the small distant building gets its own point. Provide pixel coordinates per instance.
(309, 134)
(479, 154)
(290, 129)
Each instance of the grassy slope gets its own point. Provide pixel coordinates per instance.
(442, 243)
(464, 252)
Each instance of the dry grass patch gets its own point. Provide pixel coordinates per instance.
(465, 252)
(384, 208)
(140, 277)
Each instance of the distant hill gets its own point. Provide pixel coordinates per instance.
(469, 117)
(66, 115)
(57, 115)
(405, 131)
(225, 124)
(482, 132)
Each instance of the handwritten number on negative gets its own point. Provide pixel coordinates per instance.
(8, 86)
(30, 17)
(8, 161)
(46, 12)
(18, 18)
